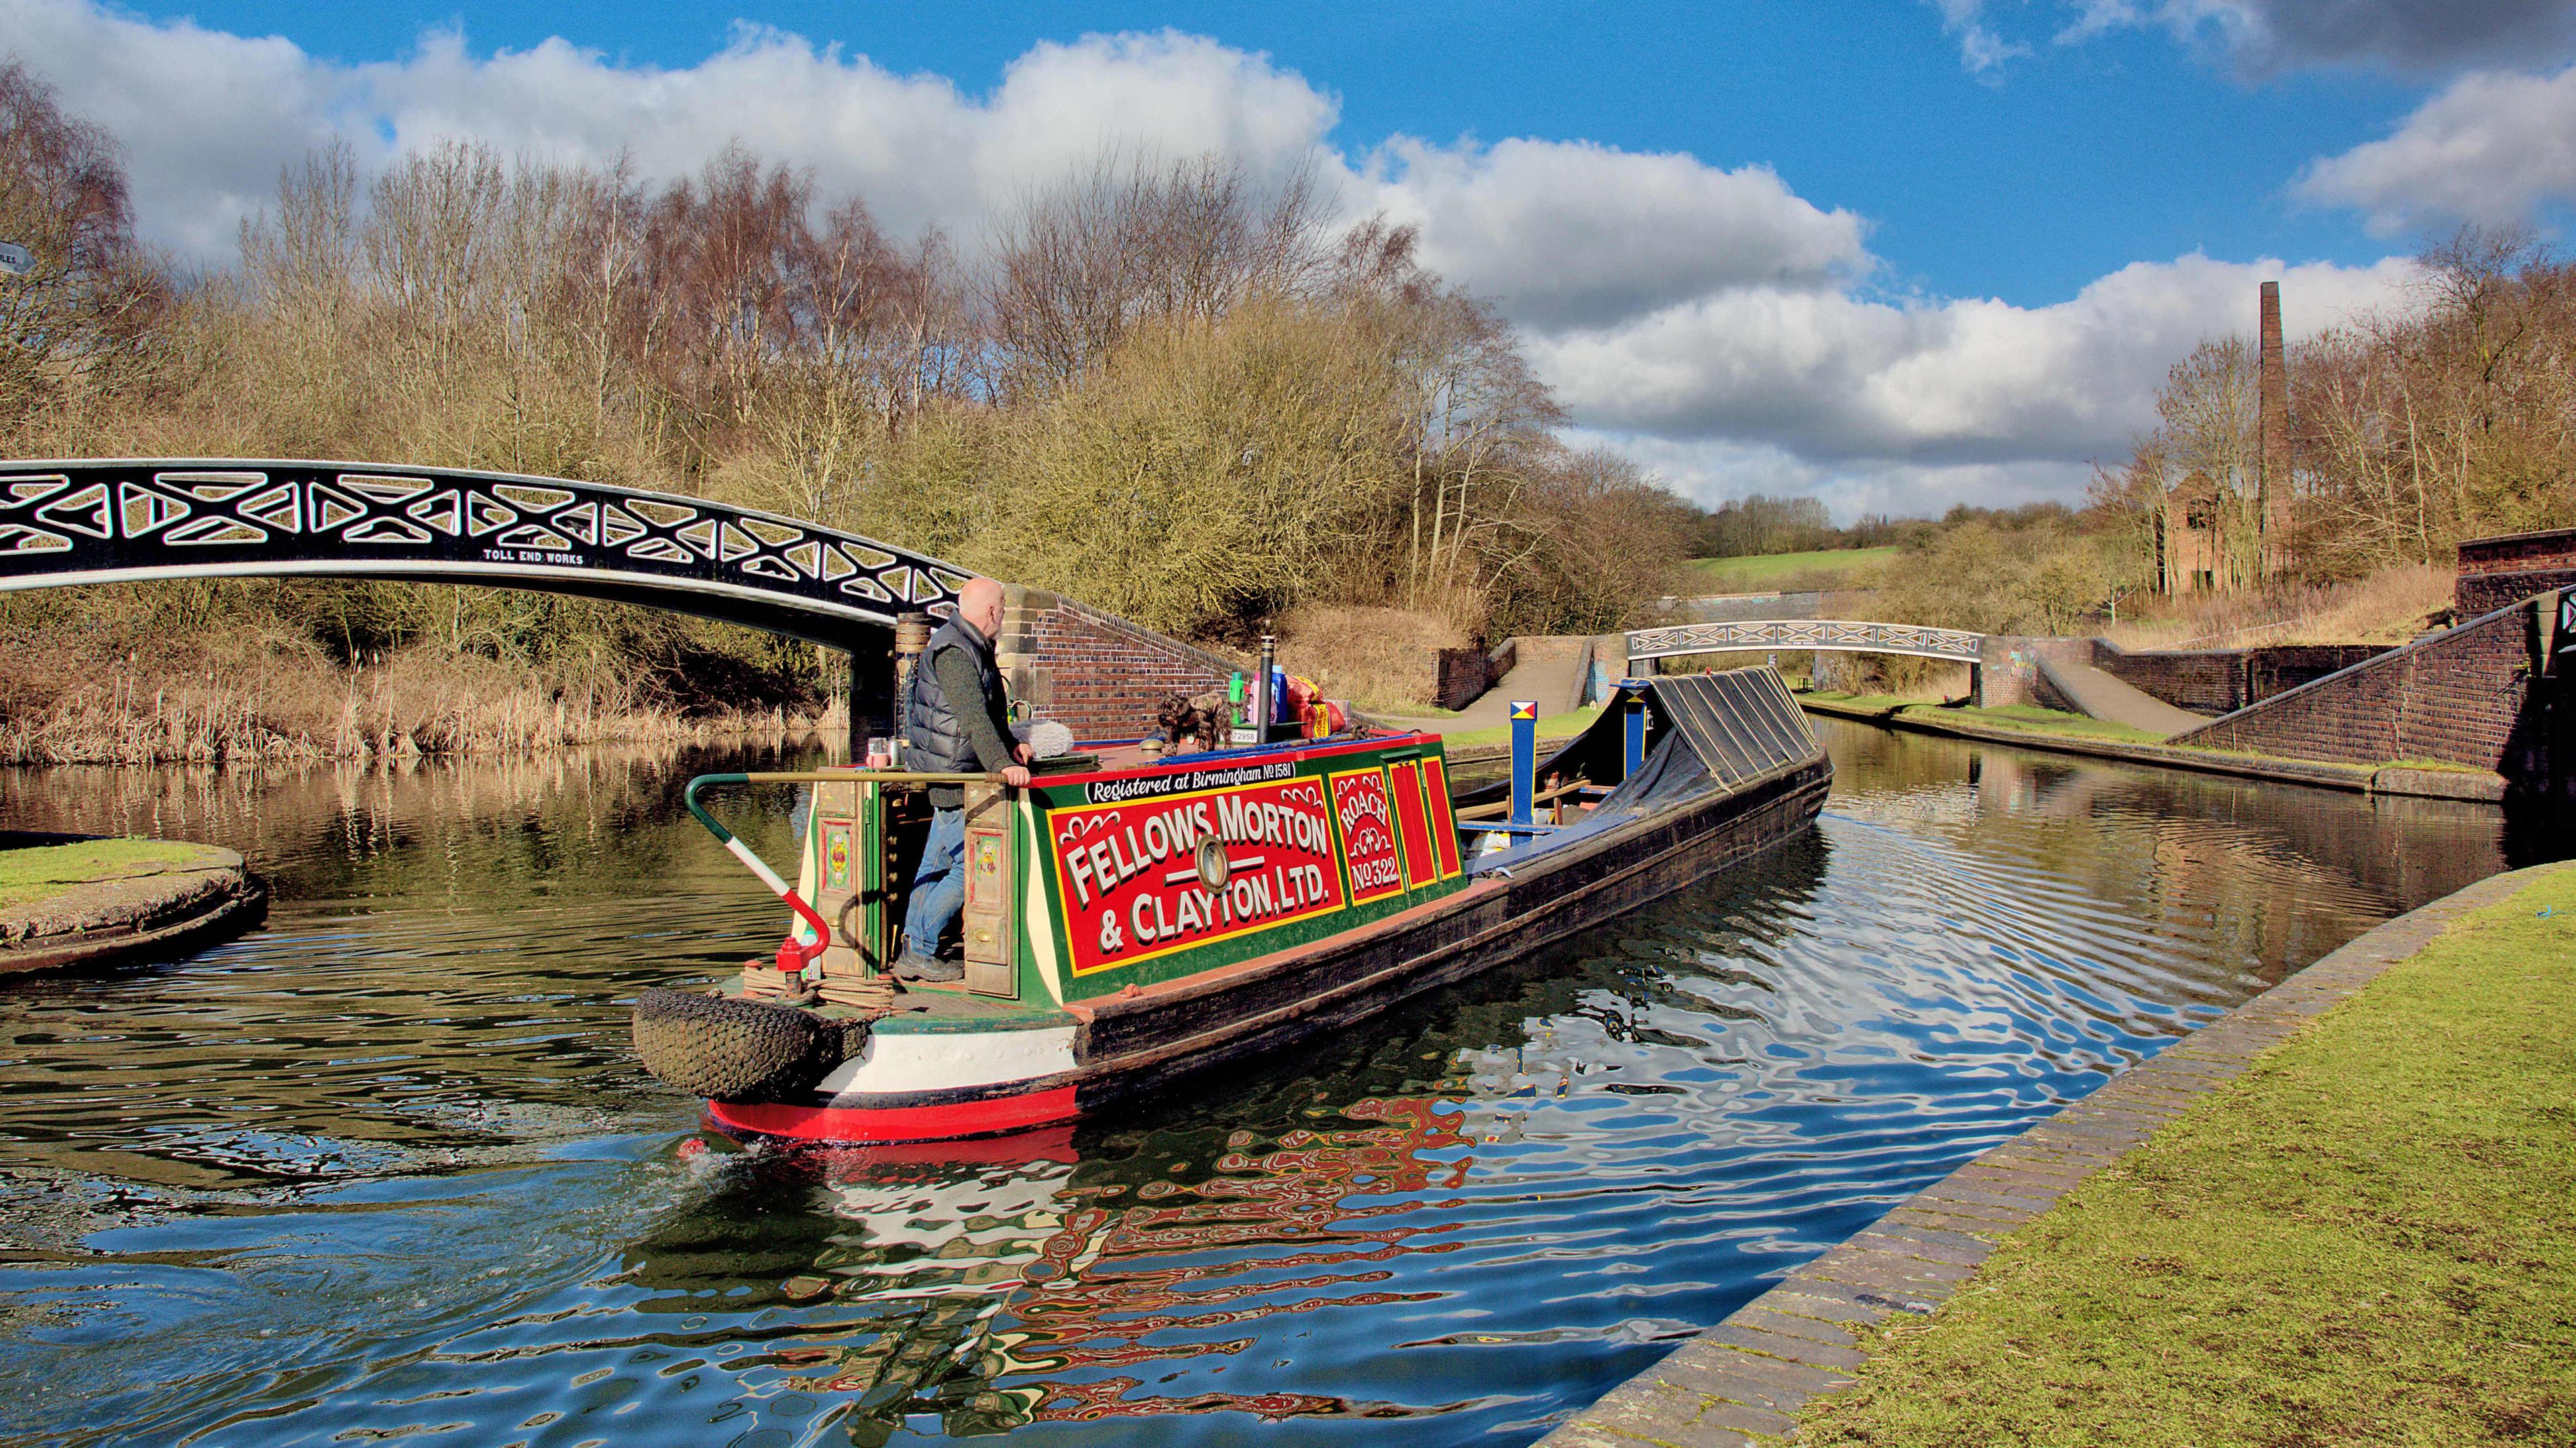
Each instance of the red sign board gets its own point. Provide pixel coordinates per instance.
(1413, 823)
(1444, 827)
(1368, 834)
(1132, 880)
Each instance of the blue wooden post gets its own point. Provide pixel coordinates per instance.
(1633, 700)
(1524, 758)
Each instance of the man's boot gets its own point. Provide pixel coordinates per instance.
(909, 966)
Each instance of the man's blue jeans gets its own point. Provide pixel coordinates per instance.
(938, 886)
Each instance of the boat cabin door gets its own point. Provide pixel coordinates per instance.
(991, 892)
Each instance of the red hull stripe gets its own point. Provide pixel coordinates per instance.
(988, 1117)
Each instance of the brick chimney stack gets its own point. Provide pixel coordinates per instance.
(2273, 479)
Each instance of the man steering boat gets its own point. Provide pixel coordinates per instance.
(956, 720)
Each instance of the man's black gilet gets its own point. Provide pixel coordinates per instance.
(934, 732)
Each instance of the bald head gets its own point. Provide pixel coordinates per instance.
(980, 603)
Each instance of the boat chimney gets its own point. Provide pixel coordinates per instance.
(911, 635)
(1261, 703)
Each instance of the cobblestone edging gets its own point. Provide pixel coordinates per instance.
(1750, 1374)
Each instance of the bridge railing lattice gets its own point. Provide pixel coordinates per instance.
(1830, 635)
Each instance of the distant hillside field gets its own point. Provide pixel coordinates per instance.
(1791, 572)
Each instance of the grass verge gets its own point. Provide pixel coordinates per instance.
(2363, 1239)
(38, 872)
(1792, 572)
(1553, 729)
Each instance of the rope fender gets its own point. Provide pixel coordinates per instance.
(725, 1048)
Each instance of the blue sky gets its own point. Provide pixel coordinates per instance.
(1893, 252)
(2077, 160)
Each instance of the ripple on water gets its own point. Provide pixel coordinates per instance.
(385, 1169)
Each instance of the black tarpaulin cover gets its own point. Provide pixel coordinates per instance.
(1703, 731)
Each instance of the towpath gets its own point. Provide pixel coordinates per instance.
(2106, 696)
(2024, 727)
(2361, 1171)
(1555, 679)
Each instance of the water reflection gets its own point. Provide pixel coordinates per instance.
(384, 1168)
(2280, 874)
(448, 967)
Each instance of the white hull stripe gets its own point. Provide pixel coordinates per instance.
(896, 1062)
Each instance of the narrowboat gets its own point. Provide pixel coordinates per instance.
(1133, 917)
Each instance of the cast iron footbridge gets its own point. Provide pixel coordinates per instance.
(1820, 634)
(132, 519)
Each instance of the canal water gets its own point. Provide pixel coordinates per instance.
(385, 1169)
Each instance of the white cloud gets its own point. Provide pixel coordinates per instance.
(1981, 49)
(2490, 147)
(920, 151)
(1834, 376)
(1706, 319)
(1560, 232)
(207, 118)
(1568, 233)
(1713, 472)
(2267, 36)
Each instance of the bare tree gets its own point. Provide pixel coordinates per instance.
(1080, 264)
(83, 320)
(1172, 392)
(1475, 415)
(2415, 425)
(2211, 441)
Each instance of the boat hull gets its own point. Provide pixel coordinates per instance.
(1125, 1046)
(857, 1120)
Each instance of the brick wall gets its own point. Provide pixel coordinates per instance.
(1465, 675)
(2007, 667)
(2280, 668)
(2519, 552)
(1099, 675)
(2206, 681)
(2477, 593)
(2220, 681)
(2459, 696)
(2512, 567)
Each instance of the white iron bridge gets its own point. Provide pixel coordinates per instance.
(114, 520)
(1821, 634)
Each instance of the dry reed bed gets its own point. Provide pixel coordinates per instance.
(76, 705)
(1369, 655)
(2388, 607)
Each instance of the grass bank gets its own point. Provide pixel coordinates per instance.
(1554, 729)
(30, 874)
(2390, 606)
(1386, 660)
(1789, 572)
(2362, 1239)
